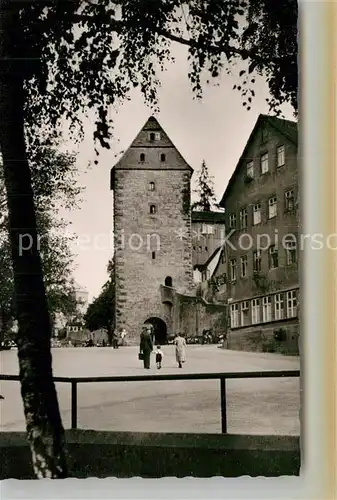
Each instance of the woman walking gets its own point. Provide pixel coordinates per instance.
(180, 344)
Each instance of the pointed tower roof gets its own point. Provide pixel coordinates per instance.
(151, 136)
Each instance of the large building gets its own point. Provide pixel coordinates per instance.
(261, 257)
(152, 229)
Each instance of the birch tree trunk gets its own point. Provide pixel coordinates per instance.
(43, 421)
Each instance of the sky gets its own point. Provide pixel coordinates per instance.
(215, 129)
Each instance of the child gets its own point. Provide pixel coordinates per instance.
(159, 357)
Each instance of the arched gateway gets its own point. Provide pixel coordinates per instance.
(160, 330)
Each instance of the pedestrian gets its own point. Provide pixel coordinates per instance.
(123, 335)
(180, 344)
(159, 357)
(115, 340)
(146, 346)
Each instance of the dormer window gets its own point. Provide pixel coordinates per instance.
(151, 186)
(154, 136)
(142, 157)
(162, 157)
(152, 209)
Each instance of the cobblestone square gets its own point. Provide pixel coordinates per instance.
(254, 406)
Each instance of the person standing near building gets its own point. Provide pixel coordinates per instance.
(180, 345)
(146, 345)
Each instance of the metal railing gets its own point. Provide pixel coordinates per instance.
(222, 376)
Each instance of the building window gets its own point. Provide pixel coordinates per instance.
(245, 313)
(154, 136)
(152, 209)
(223, 257)
(151, 186)
(291, 251)
(266, 309)
(142, 157)
(265, 135)
(291, 304)
(162, 157)
(232, 221)
(257, 261)
(272, 207)
(264, 163)
(280, 156)
(206, 249)
(250, 169)
(153, 255)
(243, 218)
(244, 266)
(273, 257)
(279, 306)
(233, 269)
(207, 229)
(256, 311)
(257, 214)
(168, 281)
(234, 315)
(289, 200)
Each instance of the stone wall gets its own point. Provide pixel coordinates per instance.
(123, 455)
(262, 338)
(192, 315)
(138, 234)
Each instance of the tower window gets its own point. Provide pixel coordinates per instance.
(152, 136)
(162, 157)
(168, 281)
(142, 157)
(153, 255)
(152, 209)
(151, 186)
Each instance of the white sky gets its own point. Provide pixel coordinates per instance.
(215, 129)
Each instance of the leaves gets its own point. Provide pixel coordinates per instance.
(205, 190)
(100, 313)
(92, 54)
(54, 183)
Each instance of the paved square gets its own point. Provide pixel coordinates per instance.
(254, 406)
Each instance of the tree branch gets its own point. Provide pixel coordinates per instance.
(217, 49)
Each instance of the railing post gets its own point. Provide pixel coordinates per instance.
(223, 406)
(74, 404)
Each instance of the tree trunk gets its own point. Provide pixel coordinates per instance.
(44, 426)
(4, 321)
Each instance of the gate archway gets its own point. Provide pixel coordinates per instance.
(159, 330)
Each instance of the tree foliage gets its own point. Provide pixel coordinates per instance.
(204, 190)
(100, 313)
(90, 55)
(55, 186)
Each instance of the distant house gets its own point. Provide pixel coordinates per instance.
(212, 285)
(76, 331)
(99, 336)
(207, 234)
(82, 298)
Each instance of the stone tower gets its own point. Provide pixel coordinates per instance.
(152, 231)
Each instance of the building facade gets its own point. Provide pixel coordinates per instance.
(208, 234)
(261, 253)
(152, 230)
